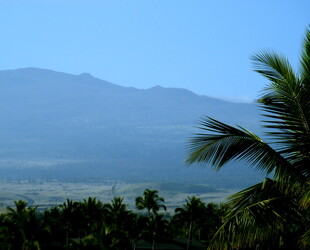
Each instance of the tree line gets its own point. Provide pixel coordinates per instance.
(91, 224)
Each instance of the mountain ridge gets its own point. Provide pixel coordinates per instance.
(104, 129)
(28, 73)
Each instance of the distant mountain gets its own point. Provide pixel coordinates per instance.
(78, 127)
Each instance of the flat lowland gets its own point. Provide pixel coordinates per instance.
(45, 194)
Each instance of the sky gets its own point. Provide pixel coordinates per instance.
(201, 45)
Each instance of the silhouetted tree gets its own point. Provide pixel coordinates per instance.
(93, 213)
(192, 216)
(118, 220)
(72, 217)
(152, 202)
(22, 227)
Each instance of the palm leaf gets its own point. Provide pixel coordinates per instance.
(305, 240)
(254, 215)
(287, 104)
(305, 198)
(227, 143)
(305, 61)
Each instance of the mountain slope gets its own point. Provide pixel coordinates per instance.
(80, 127)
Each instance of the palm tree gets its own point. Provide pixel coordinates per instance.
(118, 218)
(55, 228)
(116, 212)
(192, 212)
(72, 218)
(276, 209)
(92, 211)
(152, 202)
(156, 229)
(212, 223)
(23, 226)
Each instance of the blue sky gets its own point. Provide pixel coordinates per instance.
(204, 46)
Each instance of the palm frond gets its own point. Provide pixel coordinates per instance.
(286, 104)
(305, 61)
(274, 66)
(254, 215)
(226, 143)
(283, 96)
(305, 198)
(305, 240)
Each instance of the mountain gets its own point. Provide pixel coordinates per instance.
(77, 127)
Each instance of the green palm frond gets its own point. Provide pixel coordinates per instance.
(305, 60)
(275, 67)
(286, 103)
(305, 240)
(226, 143)
(265, 195)
(255, 215)
(305, 198)
(286, 100)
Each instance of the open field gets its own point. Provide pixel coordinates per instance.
(45, 194)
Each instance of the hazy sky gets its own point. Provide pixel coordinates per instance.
(204, 46)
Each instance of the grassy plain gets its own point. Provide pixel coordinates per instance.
(45, 194)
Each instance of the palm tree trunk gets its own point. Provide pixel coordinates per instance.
(153, 243)
(189, 236)
(67, 237)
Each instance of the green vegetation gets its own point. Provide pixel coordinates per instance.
(193, 217)
(91, 224)
(272, 214)
(152, 202)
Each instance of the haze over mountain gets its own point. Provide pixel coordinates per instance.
(77, 127)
